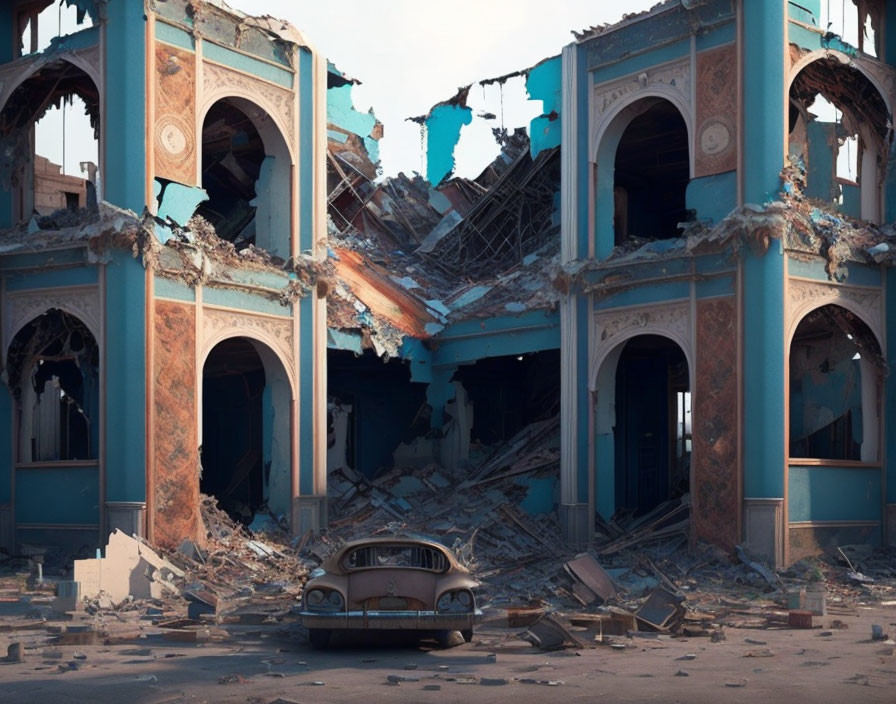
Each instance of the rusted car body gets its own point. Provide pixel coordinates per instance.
(390, 583)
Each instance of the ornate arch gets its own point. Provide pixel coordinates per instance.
(86, 60)
(864, 303)
(882, 78)
(671, 82)
(275, 102)
(274, 333)
(615, 328)
(82, 302)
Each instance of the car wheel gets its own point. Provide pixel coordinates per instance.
(467, 633)
(319, 638)
(445, 639)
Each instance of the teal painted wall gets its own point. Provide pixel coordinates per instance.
(655, 293)
(712, 197)
(470, 340)
(8, 35)
(834, 494)
(125, 153)
(545, 83)
(58, 495)
(169, 288)
(820, 173)
(653, 57)
(306, 396)
(77, 276)
(306, 137)
(7, 32)
(763, 275)
(175, 35)
(341, 112)
(890, 387)
(6, 415)
(125, 375)
(248, 64)
(443, 126)
(674, 24)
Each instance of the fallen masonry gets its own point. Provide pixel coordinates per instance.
(640, 580)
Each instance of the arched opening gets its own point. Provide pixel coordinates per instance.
(53, 373)
(839, 125)
(246, 173)
(652, 170)
(49, 134)
(836, 373)
(246, 410)
(643, 424)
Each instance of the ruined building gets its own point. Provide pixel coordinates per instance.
(160, 334)
(717, 293)
(679, 270)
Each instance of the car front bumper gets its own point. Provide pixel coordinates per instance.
(391, 620)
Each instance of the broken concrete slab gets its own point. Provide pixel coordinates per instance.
(129, 569)
(588, 571)
(661, 610)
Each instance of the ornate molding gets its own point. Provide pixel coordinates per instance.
(279, 103)
(612, 327)
(806, 296)
(670, 81)
(22, 307)
(676, 77)
(15, 73)
(673, 318)
(276, 333)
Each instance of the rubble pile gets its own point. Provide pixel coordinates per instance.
(236, 575)
(477, 512)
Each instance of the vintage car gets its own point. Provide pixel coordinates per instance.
(390, 583)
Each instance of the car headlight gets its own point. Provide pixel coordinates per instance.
(324, 600)
(460, 601)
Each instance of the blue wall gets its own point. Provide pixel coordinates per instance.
(763, 274)
(443, 126)
(834, 494)
(545, 83)
(890, 386)
(125, 153)
(713, 197)
(125, 375)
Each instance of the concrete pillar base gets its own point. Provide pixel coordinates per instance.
(764, 533)
(127, 516)
(890, 518)
(309, 513)
(576, 525)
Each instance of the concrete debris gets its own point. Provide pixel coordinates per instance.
(130, 569)
(806, 227)
(411, 258)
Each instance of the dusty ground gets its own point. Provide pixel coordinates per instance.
(259, 664)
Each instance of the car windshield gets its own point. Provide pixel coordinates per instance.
(395, 555)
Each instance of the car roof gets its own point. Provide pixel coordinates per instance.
(334, 562)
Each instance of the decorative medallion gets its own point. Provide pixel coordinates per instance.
(715, 137)
(173, 136)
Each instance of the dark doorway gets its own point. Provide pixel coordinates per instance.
(233, 390)
(510, 392)
(652, 173)
(383, 406)
(652, 432)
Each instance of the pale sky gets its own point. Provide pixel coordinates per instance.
(411, 54)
